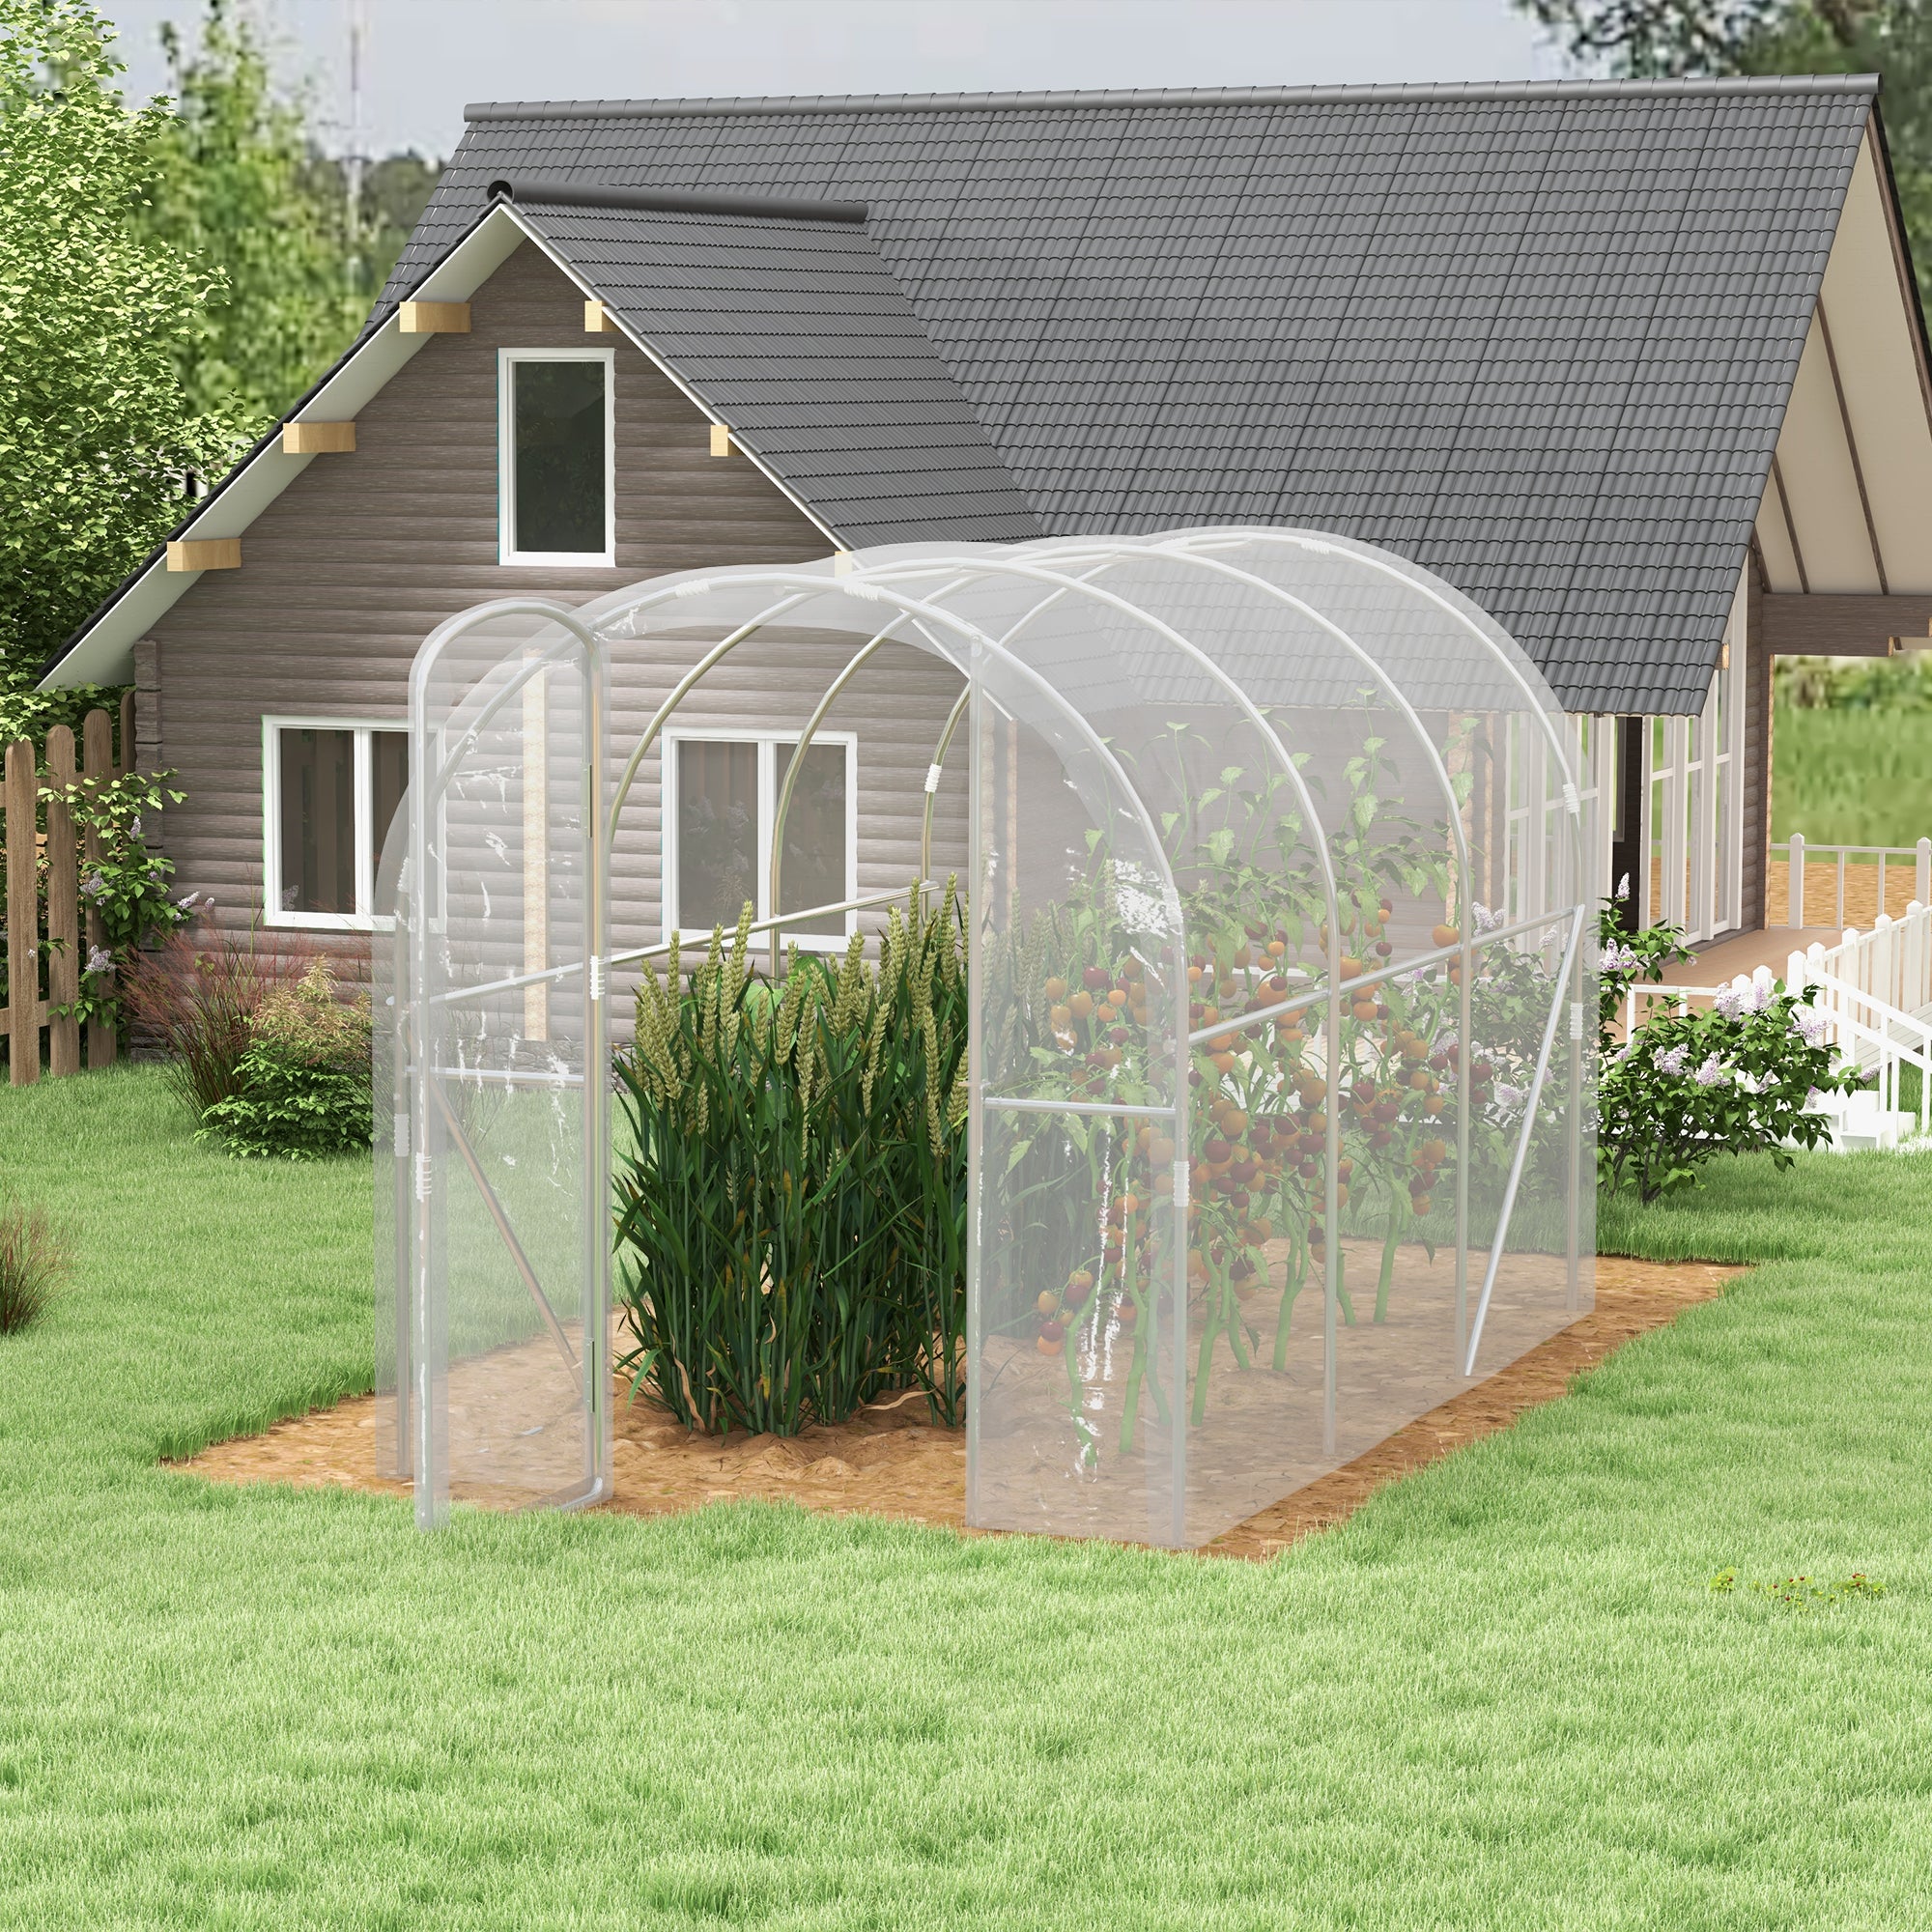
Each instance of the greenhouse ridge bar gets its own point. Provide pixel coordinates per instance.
(1266, 984)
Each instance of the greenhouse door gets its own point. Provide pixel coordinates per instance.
(506, 1084)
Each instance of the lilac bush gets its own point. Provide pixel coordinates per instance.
(1735, 1077)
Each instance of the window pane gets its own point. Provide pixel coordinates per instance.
(717, 833)
(559, 429)
(388, 779)
(813, 870)
(318, 821)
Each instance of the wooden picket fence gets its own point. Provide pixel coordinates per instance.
(69, 933)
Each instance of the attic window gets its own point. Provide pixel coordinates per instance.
(555, 463)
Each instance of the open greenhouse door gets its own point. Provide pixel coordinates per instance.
(506, 1083)
(389, 1095)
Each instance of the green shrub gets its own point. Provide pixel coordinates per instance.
(195, 996)
(33, 1258)
(302, 1086)
(1734, 1077)
(792, 1226)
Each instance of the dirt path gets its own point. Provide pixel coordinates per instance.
(891, 1462)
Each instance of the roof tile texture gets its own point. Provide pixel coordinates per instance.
(1539, 342)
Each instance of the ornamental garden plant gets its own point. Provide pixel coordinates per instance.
(1740, 1076)
(792, 1206)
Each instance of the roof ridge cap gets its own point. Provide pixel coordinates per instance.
(555, 191)
(1164, 96)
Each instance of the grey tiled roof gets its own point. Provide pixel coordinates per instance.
(794, 334)
(1538, 339)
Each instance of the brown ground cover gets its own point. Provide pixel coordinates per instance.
(891, 1462)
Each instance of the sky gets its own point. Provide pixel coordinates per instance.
(425, 58)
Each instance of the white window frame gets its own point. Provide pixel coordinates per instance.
(362, 919)
(1537, 863)
(1693, 801)
(767, 743)
(507, 462)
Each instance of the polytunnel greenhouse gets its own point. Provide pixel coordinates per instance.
(1277, 1095)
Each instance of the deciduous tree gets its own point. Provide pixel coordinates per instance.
(97, 431)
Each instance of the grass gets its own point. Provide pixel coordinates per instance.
(1852, 778)
(1501, 1696)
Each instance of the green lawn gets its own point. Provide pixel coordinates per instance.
(1501, 1696)
(1852, 778)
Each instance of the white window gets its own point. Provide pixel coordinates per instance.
(720, 791)
(555, 481)
(330, 789)
(1693, 781)
(1541, 845)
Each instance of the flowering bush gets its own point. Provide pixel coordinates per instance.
(128, 885)
(304, 1083)
(1732, 1078)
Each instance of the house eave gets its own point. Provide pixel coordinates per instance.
(102, 650)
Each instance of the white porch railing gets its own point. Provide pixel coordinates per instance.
(1807, 891)
(1889, 965)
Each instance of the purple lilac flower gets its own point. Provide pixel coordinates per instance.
(1711, 1073)
(1672, 1061)
(94, 886)
(100, 961)
(1624, 887)
(1510, 1099)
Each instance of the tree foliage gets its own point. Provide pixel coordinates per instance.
(235, 194)
(97, 311)
(170, 282)
(1681, 38)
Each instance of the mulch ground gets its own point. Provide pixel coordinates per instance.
(891, 1462)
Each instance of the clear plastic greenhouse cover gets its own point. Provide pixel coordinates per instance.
(1280, 1082)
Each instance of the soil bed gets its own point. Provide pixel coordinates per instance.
(891, 1462)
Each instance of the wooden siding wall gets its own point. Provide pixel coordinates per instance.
(366, 553)
(1757, 758)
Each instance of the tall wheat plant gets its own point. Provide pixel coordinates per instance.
(791, 1232)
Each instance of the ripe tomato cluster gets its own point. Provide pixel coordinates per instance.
(1260, 1098)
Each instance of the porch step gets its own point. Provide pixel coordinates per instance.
(1859, 1125)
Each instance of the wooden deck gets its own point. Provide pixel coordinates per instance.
(1745, 953)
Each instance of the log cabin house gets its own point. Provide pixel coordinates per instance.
(1638, 367)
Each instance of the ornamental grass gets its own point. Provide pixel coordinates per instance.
(791, 1233)
(35, 1257)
